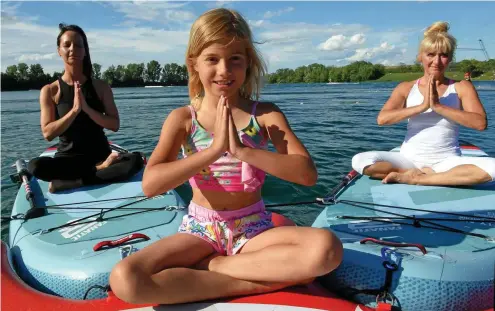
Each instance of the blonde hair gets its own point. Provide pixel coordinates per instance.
(436, 38)
(219, 26)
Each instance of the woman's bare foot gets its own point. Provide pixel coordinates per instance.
(59, 185)
(407, 177)
(399, 178)
(427, 170)
(112, 158)
(414, 172)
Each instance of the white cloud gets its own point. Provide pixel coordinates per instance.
(285, 45)
(358, 39)
(10, 8)
(289, 45)
(33, 43)
(220, 4)
(164, 12)
(270, 14)
(341, 42)
(35, 57)
(256, 24)
(295, 32)
(377, 52)
(9, 12)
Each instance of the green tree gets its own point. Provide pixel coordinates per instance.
(22, 70)
(119, 73)
(12, 71)
(96, 71)
(153, 69)
(164, 77)
(35, 72)
(57, 75)
(109, 75)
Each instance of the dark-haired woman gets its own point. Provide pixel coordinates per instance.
(76, 109)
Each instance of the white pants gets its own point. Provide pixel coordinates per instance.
(398, 160)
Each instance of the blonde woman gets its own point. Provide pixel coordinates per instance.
(435, 107)
(227, 244)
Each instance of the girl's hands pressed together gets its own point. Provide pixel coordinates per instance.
(235, 145)
(220, 142)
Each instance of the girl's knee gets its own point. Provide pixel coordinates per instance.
(326, 252)
(124, 280)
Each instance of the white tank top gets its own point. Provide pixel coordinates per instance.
(430, 137)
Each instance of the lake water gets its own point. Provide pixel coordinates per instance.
(333, 121)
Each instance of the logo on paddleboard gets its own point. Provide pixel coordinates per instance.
(78, 231)
(369, 226)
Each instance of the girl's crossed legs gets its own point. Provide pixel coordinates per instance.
(276, 258)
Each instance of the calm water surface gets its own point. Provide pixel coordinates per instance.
(333, 121)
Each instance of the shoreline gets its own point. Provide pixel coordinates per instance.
(408, 76)
(389, 77)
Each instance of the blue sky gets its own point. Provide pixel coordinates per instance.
(293, 33)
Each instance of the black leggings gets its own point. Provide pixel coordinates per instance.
(74, 167)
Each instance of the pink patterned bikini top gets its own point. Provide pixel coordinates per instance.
(227, 173)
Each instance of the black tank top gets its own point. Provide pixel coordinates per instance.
(84, 136)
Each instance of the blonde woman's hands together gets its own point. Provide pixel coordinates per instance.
(433, 94)
(426, 102)
(220, 142)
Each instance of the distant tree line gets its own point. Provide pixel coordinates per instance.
(24, 77)
(318, 73)
(475, 67)
(366, 71)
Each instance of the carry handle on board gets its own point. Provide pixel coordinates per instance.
(24, 176)
(395, 244)
(133, 236)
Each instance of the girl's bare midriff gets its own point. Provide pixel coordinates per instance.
(225, 201)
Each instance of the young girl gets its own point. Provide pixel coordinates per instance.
(227, 244)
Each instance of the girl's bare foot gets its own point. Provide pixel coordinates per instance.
(217, 257)
(59, 185)
(204, 264)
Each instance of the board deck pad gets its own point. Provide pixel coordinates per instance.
(62, 261)
(456, 267)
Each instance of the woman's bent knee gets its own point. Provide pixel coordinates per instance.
(488, 165)
(327, 252)
(361, 160)
(124, 282)
(40, 168)
(33, 166)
